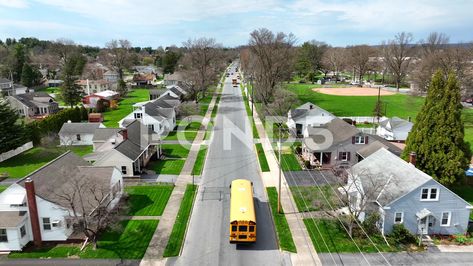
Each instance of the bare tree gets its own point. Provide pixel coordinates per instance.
(359, 60)
(89, 204)
(271, 61)
(202, 62)
(398, 55)
(283, 101)
(335, 60)
(119, 56)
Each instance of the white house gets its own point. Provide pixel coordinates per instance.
(94, 86)
(31, 210)
(307, 115)
(158, 115)
(78, 133)
(394, 128)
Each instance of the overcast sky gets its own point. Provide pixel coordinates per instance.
(162, 23)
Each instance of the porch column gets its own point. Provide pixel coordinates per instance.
(321, 158)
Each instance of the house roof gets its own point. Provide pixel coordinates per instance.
(375, 143)
(167, 96)
(340, 130)
(162, 103)
(174, 76)
(76, 128)
(58, 177)
(28, 99)
(308, 109)
(389, 175)
(157, 91)
(176, 91)
(104, 134)
(4, 80)
(11, 218)
(396, 123)
(139, 137)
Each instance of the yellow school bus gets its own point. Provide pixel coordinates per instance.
(242, 212)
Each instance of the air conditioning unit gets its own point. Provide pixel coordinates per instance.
(56, 223)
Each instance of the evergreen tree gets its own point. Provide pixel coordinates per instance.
(12, 133)
(30, 76)
(71, 92)
(438, 133)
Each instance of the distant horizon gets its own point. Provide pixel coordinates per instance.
(159, 23)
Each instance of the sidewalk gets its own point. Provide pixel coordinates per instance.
(154, 253)
(306, 254)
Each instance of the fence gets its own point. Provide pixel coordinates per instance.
(361, 119)
(7, 155)
(371, 131)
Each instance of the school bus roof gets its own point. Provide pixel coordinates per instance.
(241, 203)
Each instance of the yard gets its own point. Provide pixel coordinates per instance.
(125, 106)
(466, 193)
(188, 135)
(28, 161)
(314, 200)
(174, 244)
(174, 162)
(282, 228)
(328, 236)
(128, 242)
(3, 187)
(148, 200)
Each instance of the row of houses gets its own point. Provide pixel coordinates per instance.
(377, 180)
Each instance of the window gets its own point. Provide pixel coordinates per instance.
(429, 194)
(234, 228)
(3, 235)
(252, 228)
(78, 136)
(359, 140)
(46, 224)
(124, 170)
(138, 115)
(344, 156)
(151, 127)
(22, 231)
(243, 228)
(398, 217)
(446, 219)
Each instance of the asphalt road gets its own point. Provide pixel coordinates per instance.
(207, 240)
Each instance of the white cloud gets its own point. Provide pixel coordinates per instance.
(14, 3)
(40, 25)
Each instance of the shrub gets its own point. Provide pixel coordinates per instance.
(298, 150)
(460, 239)
(370, 224)
(401, 235)
(307, 164)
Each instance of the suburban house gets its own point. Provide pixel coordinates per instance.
(107, 96)
(394, 129)
(33, 104)
(307, 115)
(143, 79)
(157, 115)
(32, 209)
(339, 144)
(133, 153)
(78, 133)
(173, 79)
(155, 93)
(145, 69)
(111, 76)
(402, 194)
(94, 86)
(6, 87)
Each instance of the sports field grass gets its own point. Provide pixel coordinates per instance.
(148, 200)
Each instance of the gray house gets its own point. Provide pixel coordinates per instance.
(33, 104)
(402, 194)
(339, 144)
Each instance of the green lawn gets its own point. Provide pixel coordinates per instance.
(130, 242)
(148, 200)
(215, 110)
(315, 201)
(399, 105)
(263, 162)
(188, 135)
(3, 187)
(250, 116)
(28, 161)
(466, 193)
(175, 150)
(200, 161)
(289, 161)
(174, 244)
(282, 228)
(468, 122)
(125, 106)
(167, 166)
(337, 239)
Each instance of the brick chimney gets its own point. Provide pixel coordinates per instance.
(125, 134)
(412, 158)
(311, 107)
(33, 211)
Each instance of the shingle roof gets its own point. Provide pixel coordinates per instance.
(103, 134)
(176, 91)
(4, 80)
(375, 143)
(393, 176)
(76, 128)
(308, 109)
(139, 137)
(166, 97)
(396, 122)
(340, 130)
(58, 176)
(163, 104)
(11, 218)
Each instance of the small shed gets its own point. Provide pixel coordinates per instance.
(95, 118)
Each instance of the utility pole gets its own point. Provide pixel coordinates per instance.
(280, 170)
